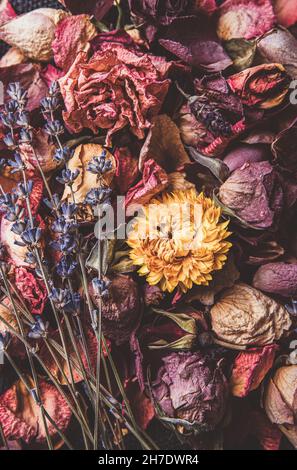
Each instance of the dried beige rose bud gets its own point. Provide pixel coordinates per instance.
(244, 316)
(33, 33)
(280, 401)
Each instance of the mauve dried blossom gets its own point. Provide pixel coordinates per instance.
(277, 278)
(255, 193)
(191, 389)
(243, 316)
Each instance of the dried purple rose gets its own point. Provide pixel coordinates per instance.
(191, 390)
(255, 194)
(277, 278)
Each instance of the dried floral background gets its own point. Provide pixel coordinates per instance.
(184, 338)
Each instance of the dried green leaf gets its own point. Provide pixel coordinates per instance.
(242, 52)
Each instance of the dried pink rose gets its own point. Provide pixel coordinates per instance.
(192, 390)
(117, 87)
(245, 18)
(277, 278)
(255, 194)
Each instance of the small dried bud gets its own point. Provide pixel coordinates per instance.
(244, 316)
(277, 278)
(280, 401)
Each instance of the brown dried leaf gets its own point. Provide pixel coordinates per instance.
(164, 145)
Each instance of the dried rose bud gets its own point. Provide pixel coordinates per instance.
(121, 309)
(33, 33)
(280, 401)
(277, 278)
(153, 295)
(264, 86)
(244, 316)
(191, 390)
(254, 193)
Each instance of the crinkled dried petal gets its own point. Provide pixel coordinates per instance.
(21, 417)
(255, 193)
(244, 316)
(44, 148)
(127, 169)
(30, 77)
(31, 289)
(72, 35)
(154, 180)
(7, 13)
(195, 42)
(250, 368)
(13, 56)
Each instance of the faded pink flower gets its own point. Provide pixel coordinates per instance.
(117, 87)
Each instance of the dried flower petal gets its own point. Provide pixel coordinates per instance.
(254, 192)
(250, 368)
(72, 35)
(21, 417)
(164, 145)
